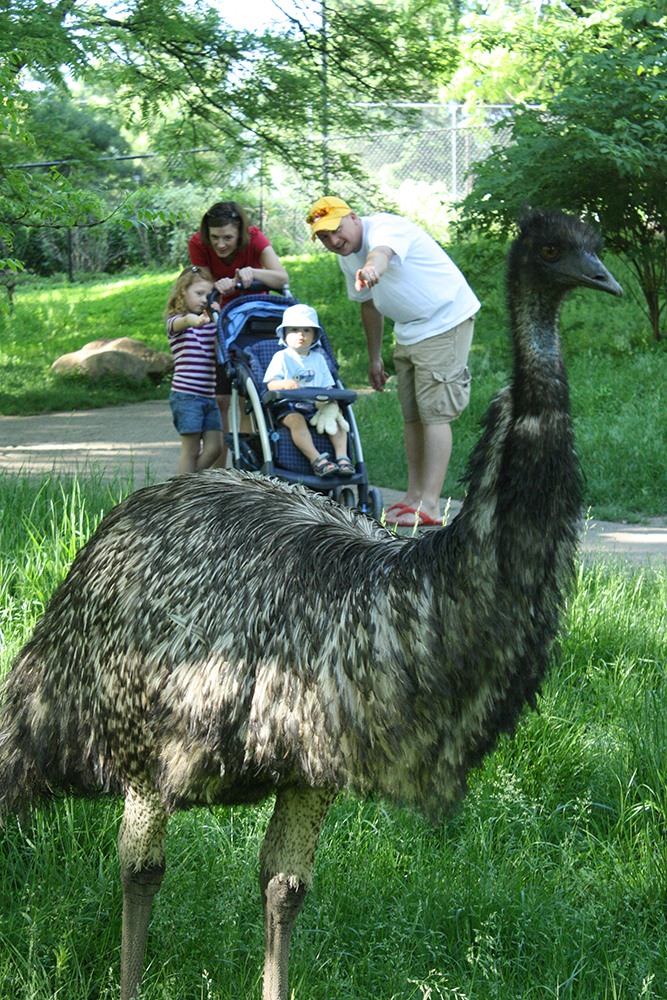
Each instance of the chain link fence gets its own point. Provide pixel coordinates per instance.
(438, 147)
(423, 166)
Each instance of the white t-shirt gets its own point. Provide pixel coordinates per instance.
(423, 291)
(309, 370)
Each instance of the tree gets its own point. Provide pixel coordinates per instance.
(39, 41)
(525, 51)
(184, 77)
(281, 92)
(519, 50)
(598, 147)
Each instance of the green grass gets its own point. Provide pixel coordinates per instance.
(53, 319)
(620, 433)
(550, 882)
(617, 374)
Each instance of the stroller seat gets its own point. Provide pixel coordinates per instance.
(288, 455)
(260, 354)
(246, 343)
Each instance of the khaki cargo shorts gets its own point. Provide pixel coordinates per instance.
(433, 376)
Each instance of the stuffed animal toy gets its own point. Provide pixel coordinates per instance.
(329, 418)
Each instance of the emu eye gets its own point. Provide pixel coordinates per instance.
(550, 252)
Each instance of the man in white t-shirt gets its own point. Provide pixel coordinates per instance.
(394, 269)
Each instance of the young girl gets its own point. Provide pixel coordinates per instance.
(192, 339)
(299, 367)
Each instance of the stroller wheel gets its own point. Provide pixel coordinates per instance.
(346, 497)
(375, 503)
(249, 451)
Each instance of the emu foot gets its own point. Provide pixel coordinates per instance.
(282, 904)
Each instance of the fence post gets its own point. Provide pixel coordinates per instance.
(453, 110)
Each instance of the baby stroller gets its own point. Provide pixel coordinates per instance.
(246, 343)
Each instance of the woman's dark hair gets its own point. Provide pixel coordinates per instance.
(225, 213)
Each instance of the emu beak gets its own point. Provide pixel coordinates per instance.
(595, 275)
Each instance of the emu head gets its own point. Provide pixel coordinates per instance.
(557, 252)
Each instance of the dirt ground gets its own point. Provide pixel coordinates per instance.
(140, 441)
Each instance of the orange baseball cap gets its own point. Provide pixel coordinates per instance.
(326, 213)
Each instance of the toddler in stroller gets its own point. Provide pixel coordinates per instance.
(298, 366)
(249, 335)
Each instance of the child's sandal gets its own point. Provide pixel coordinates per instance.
(323, 466)
(345, 467)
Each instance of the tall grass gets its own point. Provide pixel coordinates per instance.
(550, 881)
(620, 435)
(617, 375)
(42, 525)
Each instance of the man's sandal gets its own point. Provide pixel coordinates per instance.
(323, 466)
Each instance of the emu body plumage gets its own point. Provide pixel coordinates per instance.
(223, 637)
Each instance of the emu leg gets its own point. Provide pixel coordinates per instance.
(141, 853)
(286, 872)
(139, 890)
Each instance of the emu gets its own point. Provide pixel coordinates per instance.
(224, 637)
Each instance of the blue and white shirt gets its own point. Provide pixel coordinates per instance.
(309, 370)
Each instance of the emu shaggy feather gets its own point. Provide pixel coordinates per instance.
(222, 637)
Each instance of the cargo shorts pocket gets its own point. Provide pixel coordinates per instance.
(452, 394)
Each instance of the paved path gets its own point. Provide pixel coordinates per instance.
(139, 440)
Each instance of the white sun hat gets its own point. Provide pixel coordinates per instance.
(299, 315)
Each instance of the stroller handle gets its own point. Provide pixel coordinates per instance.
(256, 287)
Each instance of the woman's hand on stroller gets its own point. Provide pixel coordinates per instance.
(244, 280)
(225, 285)
(329, 418)
(244, 276)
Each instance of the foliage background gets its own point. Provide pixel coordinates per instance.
(552, 880)
(163, 107)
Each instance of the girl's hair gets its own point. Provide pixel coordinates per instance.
(187, 277)
(225, 213)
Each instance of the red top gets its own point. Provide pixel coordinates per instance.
(202, 255)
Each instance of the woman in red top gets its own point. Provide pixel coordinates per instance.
(233, 252)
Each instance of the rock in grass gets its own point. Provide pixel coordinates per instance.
(121, 356)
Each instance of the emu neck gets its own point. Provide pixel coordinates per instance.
(539, 381)
(523, 504)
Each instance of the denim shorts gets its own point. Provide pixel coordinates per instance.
(194, 414)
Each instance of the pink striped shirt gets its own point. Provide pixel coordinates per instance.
(194, 351)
